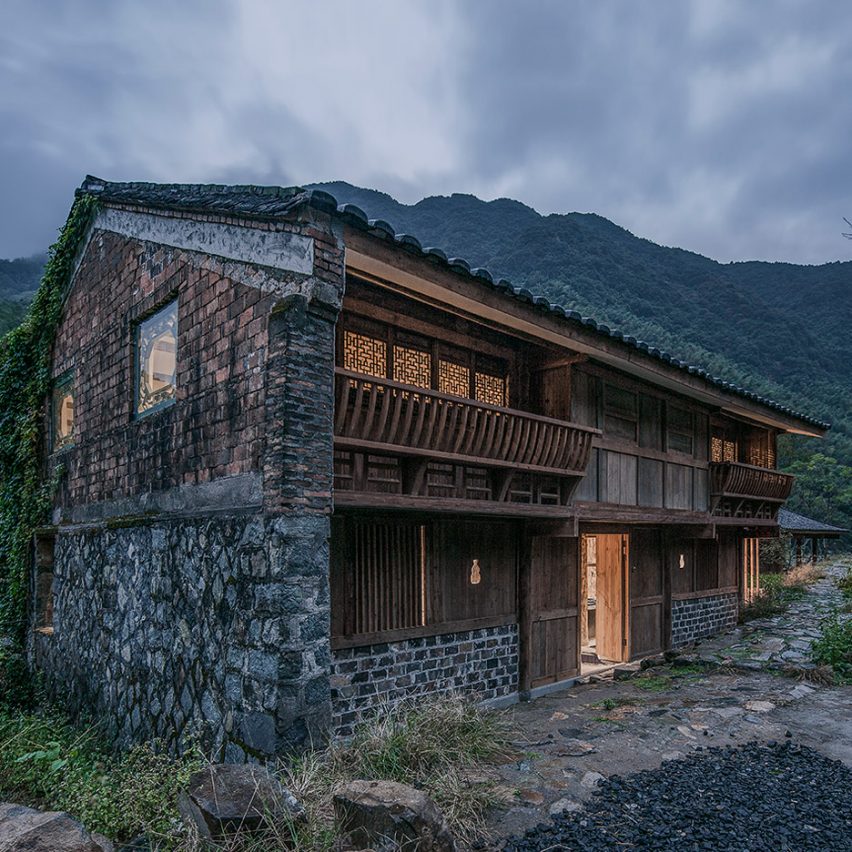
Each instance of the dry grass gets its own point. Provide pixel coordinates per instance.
(445, 746)
(803, 575)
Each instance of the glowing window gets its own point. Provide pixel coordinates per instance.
(453, 378)
(156, 359)
(364, 354)
(412, 366)
(63, 412)
(490, 389)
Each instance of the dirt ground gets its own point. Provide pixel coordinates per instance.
(729, 690)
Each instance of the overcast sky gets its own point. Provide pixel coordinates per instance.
(722, 127)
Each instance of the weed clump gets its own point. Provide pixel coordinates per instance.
(834, 647)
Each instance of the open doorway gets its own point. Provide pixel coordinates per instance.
(603, 622)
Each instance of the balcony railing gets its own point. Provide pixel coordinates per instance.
(378, 415)
(745, 481)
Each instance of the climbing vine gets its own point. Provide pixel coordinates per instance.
(25, 382)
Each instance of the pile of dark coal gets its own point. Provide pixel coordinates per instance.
(755, 797)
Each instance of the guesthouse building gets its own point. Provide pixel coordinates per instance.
(306, 465)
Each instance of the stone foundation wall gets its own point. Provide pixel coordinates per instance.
(217, 627)
(698, 617)
(483, 662)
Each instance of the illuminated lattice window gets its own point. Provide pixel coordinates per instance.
(453, 378)
(722, 450)
(412, 366)
(156, 359)
(490, 389)
(363, 354)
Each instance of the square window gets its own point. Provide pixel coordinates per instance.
(156, 359)
(63, 412)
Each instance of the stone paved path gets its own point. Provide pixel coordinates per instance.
(570, 739)
(783, 640)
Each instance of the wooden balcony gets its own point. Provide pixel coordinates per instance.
(746, 491)
(381, 416)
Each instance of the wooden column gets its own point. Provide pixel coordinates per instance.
(798, 540)
(814, 549)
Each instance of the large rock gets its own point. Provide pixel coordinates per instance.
(25, 829)
(224, 799)
(385, 815)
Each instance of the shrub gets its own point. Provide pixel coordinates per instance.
(844, 583)
(47, 762)
(834, 647)
(17, 689)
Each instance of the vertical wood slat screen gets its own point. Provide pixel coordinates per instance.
(751, 569)
(387, 577)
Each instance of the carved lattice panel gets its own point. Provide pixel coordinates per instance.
(364, 354)
(412, 366)
(453, 378)
(491, 389)
(722, 450)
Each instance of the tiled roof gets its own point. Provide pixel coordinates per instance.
(795, 523)
(272, 202)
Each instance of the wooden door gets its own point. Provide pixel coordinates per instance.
(551, 620)
(646, 585)
(611, 615)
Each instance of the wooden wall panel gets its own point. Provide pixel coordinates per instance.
(645, 584)
(728, 550)
(650, 422)
(700, 495)
(682, 578)
(554, 391)
(588, 487)
(618, 478)
(452, 547)
(678, 486)
(584, 398)
(651, 482)
(550, 643)
(706, 565)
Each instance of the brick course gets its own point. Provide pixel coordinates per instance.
(483, 662)
(698, 617)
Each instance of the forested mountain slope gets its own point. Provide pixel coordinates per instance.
(19, 279)
(777, 328)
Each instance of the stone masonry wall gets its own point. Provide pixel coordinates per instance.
(698, 617)
(483, 662)
(217, 627)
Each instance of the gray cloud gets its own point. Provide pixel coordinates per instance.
(718, 126)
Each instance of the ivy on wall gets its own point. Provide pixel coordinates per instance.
(25, 383)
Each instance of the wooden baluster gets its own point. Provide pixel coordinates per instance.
(472, 432)
(378, 431)
(422, 406)
(357, 407)
(447, 436)
(509, 430)
(462, 431)
(343, 388)
(427, 439)
(393, 436)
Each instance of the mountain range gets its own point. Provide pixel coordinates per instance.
(780, 329)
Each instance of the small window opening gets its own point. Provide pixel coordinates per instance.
(156, 348)
(63, 412)
(44, 590)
